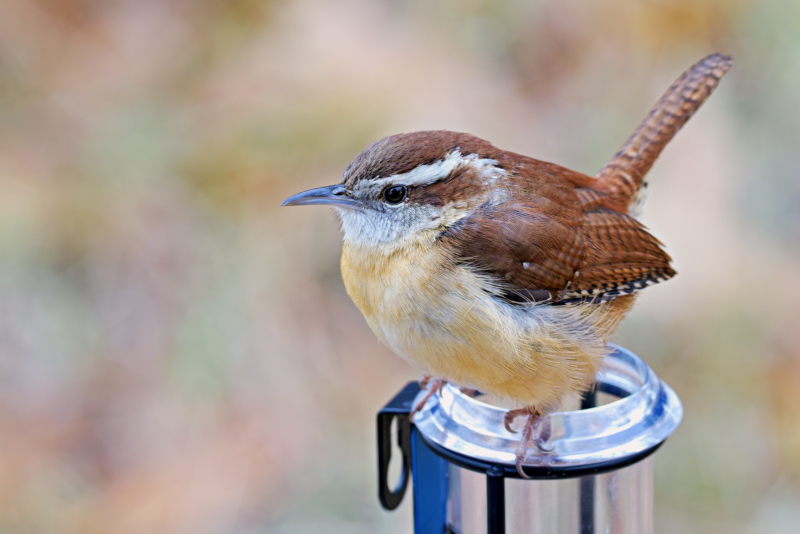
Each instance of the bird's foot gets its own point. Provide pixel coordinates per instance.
(536, 430)
(432, 385)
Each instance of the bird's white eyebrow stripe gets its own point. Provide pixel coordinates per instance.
(430, 174)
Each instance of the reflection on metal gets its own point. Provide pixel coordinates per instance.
(598, 477)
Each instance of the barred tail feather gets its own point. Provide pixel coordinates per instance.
(625, 173)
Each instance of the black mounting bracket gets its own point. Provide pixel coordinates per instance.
(400, 408)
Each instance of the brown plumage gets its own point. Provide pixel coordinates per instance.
(548, 238)
(562, 222)
(623, 175)
(497, 271)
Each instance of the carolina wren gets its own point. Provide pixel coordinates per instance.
(499, 272)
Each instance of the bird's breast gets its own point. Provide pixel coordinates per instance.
(446, 319)
(421, 304)
(399, 293)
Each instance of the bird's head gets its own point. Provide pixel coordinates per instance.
(410, 188)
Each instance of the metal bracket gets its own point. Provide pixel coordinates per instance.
(399, 407)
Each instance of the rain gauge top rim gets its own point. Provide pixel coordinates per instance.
(618, 433)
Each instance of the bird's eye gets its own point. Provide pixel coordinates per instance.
(394, 194)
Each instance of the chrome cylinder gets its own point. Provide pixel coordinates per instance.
(597, 475)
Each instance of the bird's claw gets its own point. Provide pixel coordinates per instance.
(435, 386)
(543, 435)
(508, 419)
(536, 430)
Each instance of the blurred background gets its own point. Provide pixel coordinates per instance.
(178, 355)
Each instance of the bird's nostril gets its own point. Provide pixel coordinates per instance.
(339, 191)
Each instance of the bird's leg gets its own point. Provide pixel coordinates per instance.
(424, 380)
(432, 385)
(435, 385)
(536, 430)
(522, 451)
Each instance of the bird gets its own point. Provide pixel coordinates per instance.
(498, 272)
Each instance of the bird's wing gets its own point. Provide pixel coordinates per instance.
(560, 244)
(622, 257)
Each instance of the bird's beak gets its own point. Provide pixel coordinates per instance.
(332, 195)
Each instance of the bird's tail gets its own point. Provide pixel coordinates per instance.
(624, 176)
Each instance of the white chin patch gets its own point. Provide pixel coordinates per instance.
(372, 228)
